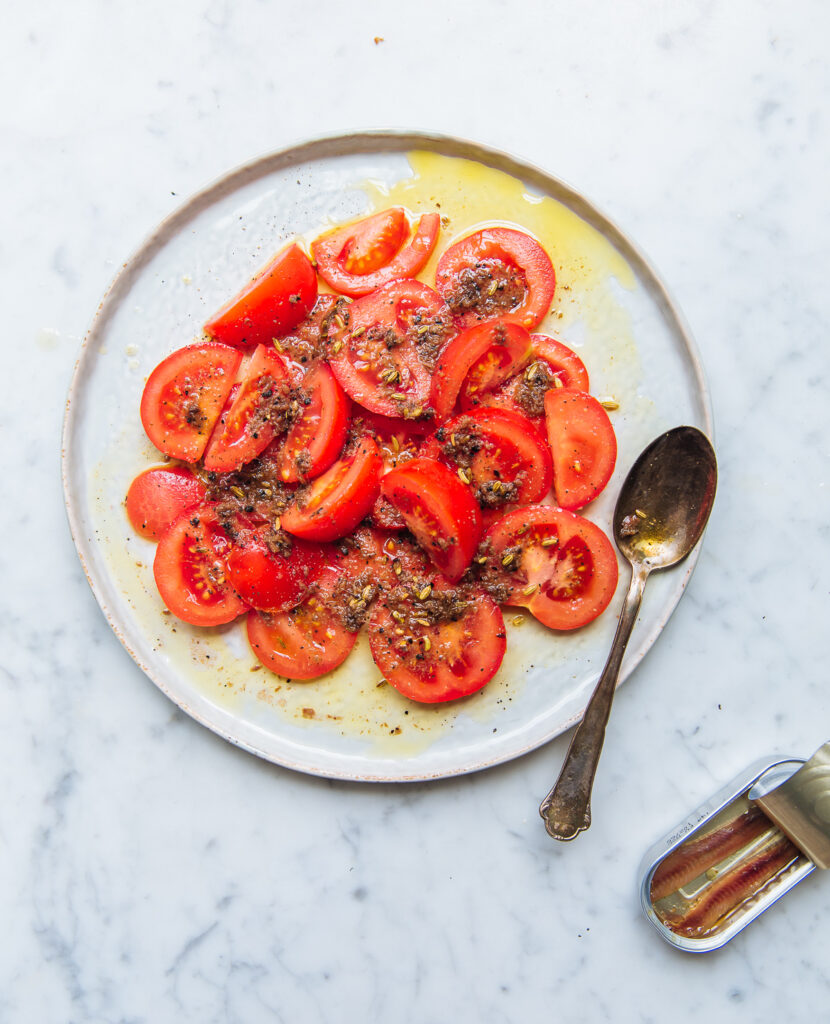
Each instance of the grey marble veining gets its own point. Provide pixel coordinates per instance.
(153, 873)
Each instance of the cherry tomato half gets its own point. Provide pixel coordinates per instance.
(158, 496)
(583, 445)
(359, 258)
(497, 272)
(275, 301)
(271, 577)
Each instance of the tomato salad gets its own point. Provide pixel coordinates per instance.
(392, 454)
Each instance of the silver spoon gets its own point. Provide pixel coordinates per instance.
(660, 515)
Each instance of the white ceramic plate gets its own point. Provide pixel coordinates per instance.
(610, 306)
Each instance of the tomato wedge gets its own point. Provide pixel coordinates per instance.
(269, 570)
(276, 300)
(316, 439)
(558, 565)
(497, 272)
(305, 344)
(398, 441)
(361, 257)
(384, 359)
(583, 444)
(307, 641)
(446, 646)
(256, 413)
(439, 510)
(336, 502)
(184, 396)
(190, 572)
(501, 454)
(158, 496)
(504, 347)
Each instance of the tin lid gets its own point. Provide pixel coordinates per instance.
(800, 807)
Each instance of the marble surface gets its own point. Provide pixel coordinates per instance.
(154, 873)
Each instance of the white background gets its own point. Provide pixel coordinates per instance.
(153, 873)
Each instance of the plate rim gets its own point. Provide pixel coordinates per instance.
(362, 142)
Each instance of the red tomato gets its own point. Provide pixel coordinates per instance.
(504, 347)
(583, 444)
(451, 658)
(277, 299)
(307, 641)
(316, 439)
(361, 257)
(253, 416)
(337, 501)
(387, 559)
(501, 454)
(563, 568)
(552, 364)
(184, 395)
(398, 441)
(384, 358)
(158, 496)
(497, 272)
(304, 344)
(267, 579)
(190, 571)
(439, 510)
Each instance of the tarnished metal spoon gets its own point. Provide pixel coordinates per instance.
(660, 515)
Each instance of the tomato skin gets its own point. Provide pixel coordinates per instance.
(359, 258)
(583, 445)
(277, 299)
(507, 248)
(569, 558)
(439, 510)
(159, 495)
(511, 344)
(316, 439)
(184, 395)
(267, 580)
(305, 642)
(337, 501)
(363, 356)
(190, 572)
(433, 664)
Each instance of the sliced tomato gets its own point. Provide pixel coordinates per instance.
(336, 502)
(387, 559)
(558, 565)
(275, 301)
(273, 576)
(504, 348)
(254, 415)
(305, 344)
(384, 358)
(583, 444)
(158, 496)
(316, 439)
(307, 641)
(497, 272)
(445, 659)
(184, 396)
(439, 510)
(499, 453)
(398, 441)
(190, 571)
(361, 257)
(552, 364)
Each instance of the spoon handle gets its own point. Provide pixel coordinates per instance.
(567, 808)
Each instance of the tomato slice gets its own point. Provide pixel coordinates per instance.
(552, 364)
(558, 565)
(398, 440)
(190, 571)
(316, 439)
(504, 348)
(270, 570)
(276, 300)
(307, 641)
(439, 510)
(305, 344)
(501, 454)
(184, 396)
(359, 258)
(336, 502)
(257, 411)
(446, 646)
(388, 560)
(583, 444)
(384, 359)
(158, 496)
(497, 272)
